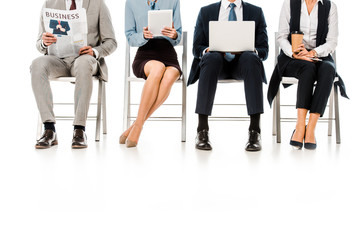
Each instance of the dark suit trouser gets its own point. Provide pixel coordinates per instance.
(323, 73)
(246, 66)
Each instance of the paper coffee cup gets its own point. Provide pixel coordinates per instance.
(296, 40)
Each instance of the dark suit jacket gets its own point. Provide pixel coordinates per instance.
(201, 34)
(54, 23)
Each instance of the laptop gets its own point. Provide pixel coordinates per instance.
(231, 36)
(158, 19)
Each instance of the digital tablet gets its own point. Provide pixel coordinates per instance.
(158, 19)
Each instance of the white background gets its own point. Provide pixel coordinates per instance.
(165, 189)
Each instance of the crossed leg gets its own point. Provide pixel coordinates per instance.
(155, 91)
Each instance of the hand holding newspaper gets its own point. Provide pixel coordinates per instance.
(70, 29)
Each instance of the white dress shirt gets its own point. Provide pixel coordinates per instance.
(225, 10)
(79, 4)
(308, 25)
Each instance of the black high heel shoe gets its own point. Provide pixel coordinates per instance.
(309, 146)
(295, 144)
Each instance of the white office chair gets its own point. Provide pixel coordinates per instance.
(101, 107)
(332, 105)
(183, 79)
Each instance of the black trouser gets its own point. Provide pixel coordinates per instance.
(323, 73)
(246, 66)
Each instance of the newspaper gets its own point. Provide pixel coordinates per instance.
(70, 29)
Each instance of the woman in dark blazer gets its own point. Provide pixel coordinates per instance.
(311, 62)
(155, 61)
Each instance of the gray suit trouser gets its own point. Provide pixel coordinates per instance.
(45, 67)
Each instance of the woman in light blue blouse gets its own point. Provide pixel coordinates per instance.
(155, 61)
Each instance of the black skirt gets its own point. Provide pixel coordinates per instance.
(155, 49)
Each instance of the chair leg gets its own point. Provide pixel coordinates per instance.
(274, 118)
(331, 112)
(278, 119)
(39, 128)
(126, 114)
(183, 117)
(98, 116)
(104, 119)
(337, 115)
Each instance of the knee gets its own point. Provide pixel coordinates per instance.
(308, 68)
(327, 68)
(157, 70)
(39, 65)
(251, 60)
(212, 58)
(84, 64)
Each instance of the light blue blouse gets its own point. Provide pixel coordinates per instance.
(136, 18)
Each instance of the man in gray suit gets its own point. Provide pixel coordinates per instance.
(101, 42)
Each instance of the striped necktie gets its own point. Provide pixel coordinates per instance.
(73, 5)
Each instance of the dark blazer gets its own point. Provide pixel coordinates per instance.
(54, 23)
(201, 34)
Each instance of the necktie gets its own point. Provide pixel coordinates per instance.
(232, 17)
(73, 5)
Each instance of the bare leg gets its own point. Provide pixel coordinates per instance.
(310, 129)
(300, 125)
(170, 76)
(154, 70)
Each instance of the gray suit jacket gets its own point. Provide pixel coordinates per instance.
(101, 34)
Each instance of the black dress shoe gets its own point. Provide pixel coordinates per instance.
(254, 143)
(202, 141)
(79, 139)
(47, 140)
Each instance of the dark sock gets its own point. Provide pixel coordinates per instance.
(255, 122)
(79, 127)
(49, 126)
(203, 122)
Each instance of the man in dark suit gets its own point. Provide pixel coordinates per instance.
(208, 67)
(59, 27)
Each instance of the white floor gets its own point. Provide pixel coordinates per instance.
(165, 189)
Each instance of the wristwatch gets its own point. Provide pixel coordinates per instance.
(315, 54)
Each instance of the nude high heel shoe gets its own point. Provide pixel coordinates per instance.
(130, 144)
(122, 139)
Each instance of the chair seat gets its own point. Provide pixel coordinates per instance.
(135, 79)
(293, 80)
(229, 81)
(69, 79)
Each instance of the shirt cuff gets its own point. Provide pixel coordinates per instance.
(320, 51)
(96, 53)
(204, 52)
(288, 51)
(43, 45)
